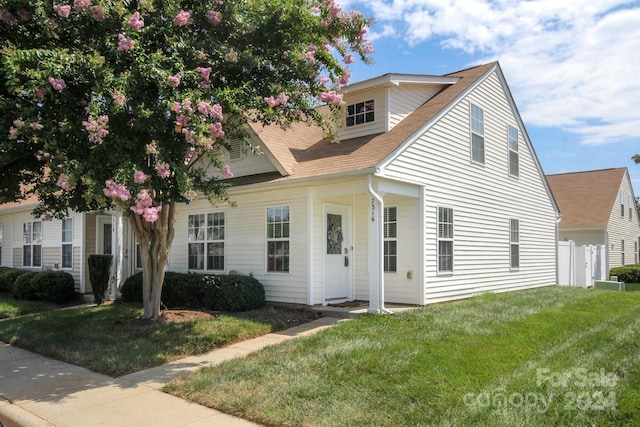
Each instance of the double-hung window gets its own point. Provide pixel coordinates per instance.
(67, 243)
(32, 244)
(445, 240)
(477, 134)
(514, 162)
(514, 243)
(622, 252)
(206, 241)
(390, 239)
(622, 199)
(278, 235)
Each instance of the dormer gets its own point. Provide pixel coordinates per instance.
(378, 104)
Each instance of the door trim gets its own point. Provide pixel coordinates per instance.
(348, 242)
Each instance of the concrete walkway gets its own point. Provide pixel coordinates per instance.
(37, 391)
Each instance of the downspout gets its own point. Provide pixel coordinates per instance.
(378, 248)
(558, 219)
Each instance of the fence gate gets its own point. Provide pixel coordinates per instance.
(581, 265)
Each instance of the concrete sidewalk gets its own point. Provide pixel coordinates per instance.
(37, 391)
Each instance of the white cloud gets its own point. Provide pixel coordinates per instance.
(570, 64)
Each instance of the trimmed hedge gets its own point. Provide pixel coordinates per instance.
(627, 273)
(54, 286)
(99, 271)
(8, 276)
(197, 291)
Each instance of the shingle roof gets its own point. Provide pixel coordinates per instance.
(303, 151)
(586, 199)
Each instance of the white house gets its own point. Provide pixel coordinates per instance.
(599, 208)
(433, 193)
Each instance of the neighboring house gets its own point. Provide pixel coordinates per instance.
(433, 193)
(598, 208)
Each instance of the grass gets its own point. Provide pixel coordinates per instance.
(551, 356)
(110, 339)
(11, 307)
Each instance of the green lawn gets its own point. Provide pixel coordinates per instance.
(551, 356)
(111, 340)
(11, 307)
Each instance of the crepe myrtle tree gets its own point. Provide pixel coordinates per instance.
(125, 104)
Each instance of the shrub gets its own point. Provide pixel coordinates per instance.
(627, 273)
(54, 286)
(23, 286)
(99, 272)
(131, 289)
(213, 292)
(8, 276)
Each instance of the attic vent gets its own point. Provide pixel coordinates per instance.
(235, 149)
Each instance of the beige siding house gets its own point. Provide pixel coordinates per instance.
(598, 208)
(433, 193)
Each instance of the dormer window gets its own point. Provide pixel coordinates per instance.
(360, 113)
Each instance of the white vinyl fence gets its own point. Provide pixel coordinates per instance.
(581, 265)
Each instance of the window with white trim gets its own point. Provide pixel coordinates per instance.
(67, 243)
(360, 113)
(630, 207)
(622, 197)
(32, 244)
(477, 134)
(514, 161)
(514, 243)
(445, 239)
(622, 252)
(635, 251)
(278, 234)
(206, 241)
(390, 239)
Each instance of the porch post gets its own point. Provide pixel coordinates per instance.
(118, 247)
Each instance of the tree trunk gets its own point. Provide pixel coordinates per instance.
(155, 241)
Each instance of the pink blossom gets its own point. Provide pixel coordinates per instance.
(334, 9)
(62, 10)
(182, 18)
(119, 99)
(13, 133)
(144, 206)
(80, 5)
(226, 171)
(23, 14)
(203, 107)
(189, 154)
(151, 148)
(97, 13)
(362, 32)
(57, 84)
(35, 125)
(136, 22)
(315, 10)
(283, 98)
(204, 72)
(163, 169)
(368, 48)
(139, 177)
(330, 97)
(116, 191)
(175, 107)
(6, 16)
(187, 105)
(214, 17)
(216, 129)
(174, 80)
(348, 59)
(271, 101)
(216, 111)
(97, 128)
(63, 182)
(189, 135)
(40, 92)
(182, 120)
(19, 123)
(324, 79)
(345, 77)
(125, 43)
(47, 216)
(151, 214)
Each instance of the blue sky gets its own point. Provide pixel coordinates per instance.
(573, 66)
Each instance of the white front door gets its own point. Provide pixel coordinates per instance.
(337, 256)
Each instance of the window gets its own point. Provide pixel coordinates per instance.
(514, 240)
(622, 203)
(360, 113)
(630, 207)
(67, 243)
(514, 165)
(445, 240)
(138, 260)
(622, 252)
(206, 241)
(278, 239)
(32, 244)
(635, 252)
(390, 239)
(477, 134)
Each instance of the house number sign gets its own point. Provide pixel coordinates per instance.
(373, 209)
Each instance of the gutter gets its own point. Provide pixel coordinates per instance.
(380, 309)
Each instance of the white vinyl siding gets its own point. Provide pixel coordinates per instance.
(67, 244)
(514, 162)
(621, 225)
(483, 200)
(477, 133)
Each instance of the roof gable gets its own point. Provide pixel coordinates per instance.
(586, 199)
